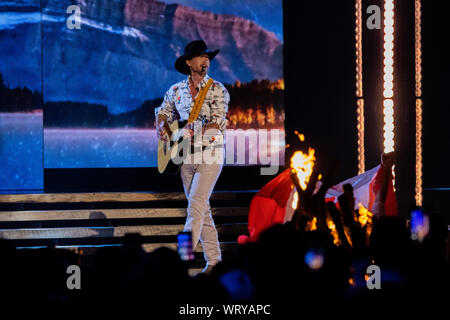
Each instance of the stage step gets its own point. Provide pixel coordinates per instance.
(113, 214)
(91, 197)
(86, 222)
(158, 230)
(115, 200)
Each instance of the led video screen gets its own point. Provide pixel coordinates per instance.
(88, 74)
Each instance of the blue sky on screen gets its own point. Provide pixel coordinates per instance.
(266, 13)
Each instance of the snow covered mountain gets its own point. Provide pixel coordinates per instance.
(125, 50)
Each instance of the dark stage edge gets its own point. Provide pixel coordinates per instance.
(232, 178)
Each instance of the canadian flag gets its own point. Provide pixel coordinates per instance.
(272, 204)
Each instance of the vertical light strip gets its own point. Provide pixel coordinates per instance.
(418, 70)
(418, 188)
(360, 126)
(388, 93)
(359, 86)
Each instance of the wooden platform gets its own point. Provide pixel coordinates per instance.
(84, 222)
(115, 196)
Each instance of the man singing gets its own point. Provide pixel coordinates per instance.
(198, 178)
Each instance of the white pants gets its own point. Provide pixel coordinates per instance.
(198, 182)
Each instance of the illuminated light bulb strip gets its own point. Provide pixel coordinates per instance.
(418, 69)
(358, 46)
(360, 126)
(418, 48)
(418, 189)
(359, 86)
(388, 93)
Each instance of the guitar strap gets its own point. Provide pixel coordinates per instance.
(199, 101)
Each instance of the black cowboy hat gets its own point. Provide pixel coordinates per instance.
(191, 50)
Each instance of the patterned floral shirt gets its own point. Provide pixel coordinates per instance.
(178, 103)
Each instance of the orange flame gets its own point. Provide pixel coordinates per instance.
(365, 216)
(300, 136)
(302, 164)
(365, 219)
(312, 225)
(333, 231)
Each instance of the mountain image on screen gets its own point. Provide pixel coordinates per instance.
(124, 51)
(98, 84)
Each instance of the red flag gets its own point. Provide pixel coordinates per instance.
(270, 205)
(365, 188)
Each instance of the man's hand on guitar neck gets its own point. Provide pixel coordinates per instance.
(161, 125)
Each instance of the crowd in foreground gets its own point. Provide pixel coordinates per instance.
(286, 267)
(372, 262)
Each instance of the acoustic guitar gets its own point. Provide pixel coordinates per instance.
(171, 152)
(170, 149)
